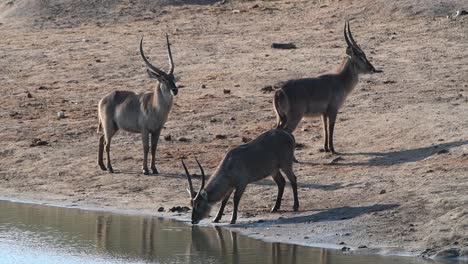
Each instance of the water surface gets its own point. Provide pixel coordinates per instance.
(32, 233)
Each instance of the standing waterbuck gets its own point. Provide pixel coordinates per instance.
(323, 95)
(143, 113)
(266, 155)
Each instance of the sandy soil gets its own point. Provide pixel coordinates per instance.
(401, 184)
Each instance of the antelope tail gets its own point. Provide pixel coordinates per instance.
(280, 102)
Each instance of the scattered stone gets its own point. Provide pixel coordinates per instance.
(335, 160)
(236, 11)
(214, 120)
(389, 81)
(342, 243)
(261, 221)
(382, 191)
(267, 89)
(61, 114)
(42, 87)
(246, 139)
(168, 137)
(85, 40)
(232, 118)
(305, 129)
(220, 136)
(289, 45)
(179, 209)
(226, 91)
(29, 95)
(255, 6)
(306, 237)
(300, 145)
(161, 209)
(345, 249)
(38, 142)
(362, 246)
(442, 151)
(98, 60)
(203, 86)
(183, 139)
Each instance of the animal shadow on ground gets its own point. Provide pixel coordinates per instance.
(334, 214)
(324, 187)
(401, 156)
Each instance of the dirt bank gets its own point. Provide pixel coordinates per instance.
(401, 183)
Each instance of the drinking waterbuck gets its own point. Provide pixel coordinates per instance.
(323, 95)
(143, 113)
(268, 154)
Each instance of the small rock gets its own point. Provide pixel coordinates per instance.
(183, 139)
(29, 95)
(335, 160)
(246, 139)
(61, 114)
(345, 249)
(255, 6)
(98, 60)
(42, 88)
(300, 145)
(382, 191)
(236, 11)
(38, 142)
(443, 151)
(267, 89)
(85, 40)
(168, 137)
(161, 209)
(362, 246)
(179, 209)
(306, 237)
(232, 118)
(342, 243)
(226, 91)
(203, 86)
(289, 45)
(305, 129)
(220, 136)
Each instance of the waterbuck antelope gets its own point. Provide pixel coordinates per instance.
(143, 113)
(266, 155)
(323, 95)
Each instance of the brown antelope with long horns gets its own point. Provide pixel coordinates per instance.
(266, 155)
(323, 95)
(143, 113)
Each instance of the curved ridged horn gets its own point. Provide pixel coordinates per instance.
(148, 64)
(346, 35)
(351, 38)
(203, 177)
(189, 179)
(169, 55)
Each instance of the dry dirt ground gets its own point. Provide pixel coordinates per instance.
(401, 184)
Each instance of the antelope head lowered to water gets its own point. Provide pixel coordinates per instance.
(268, 154)
(143, 113)
(323, 95)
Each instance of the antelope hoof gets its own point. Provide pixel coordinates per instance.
(333, 151)
(145, 171)
(324, 150)
(216, 220)
(232, 222)
(154, 170)
(274, 210)
(110, 170)
(296, 208)
(102, 167)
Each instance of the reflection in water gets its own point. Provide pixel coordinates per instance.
(63, 235)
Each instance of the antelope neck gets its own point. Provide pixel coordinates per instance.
(349, 74)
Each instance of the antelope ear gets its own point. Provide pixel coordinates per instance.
(204, 194)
